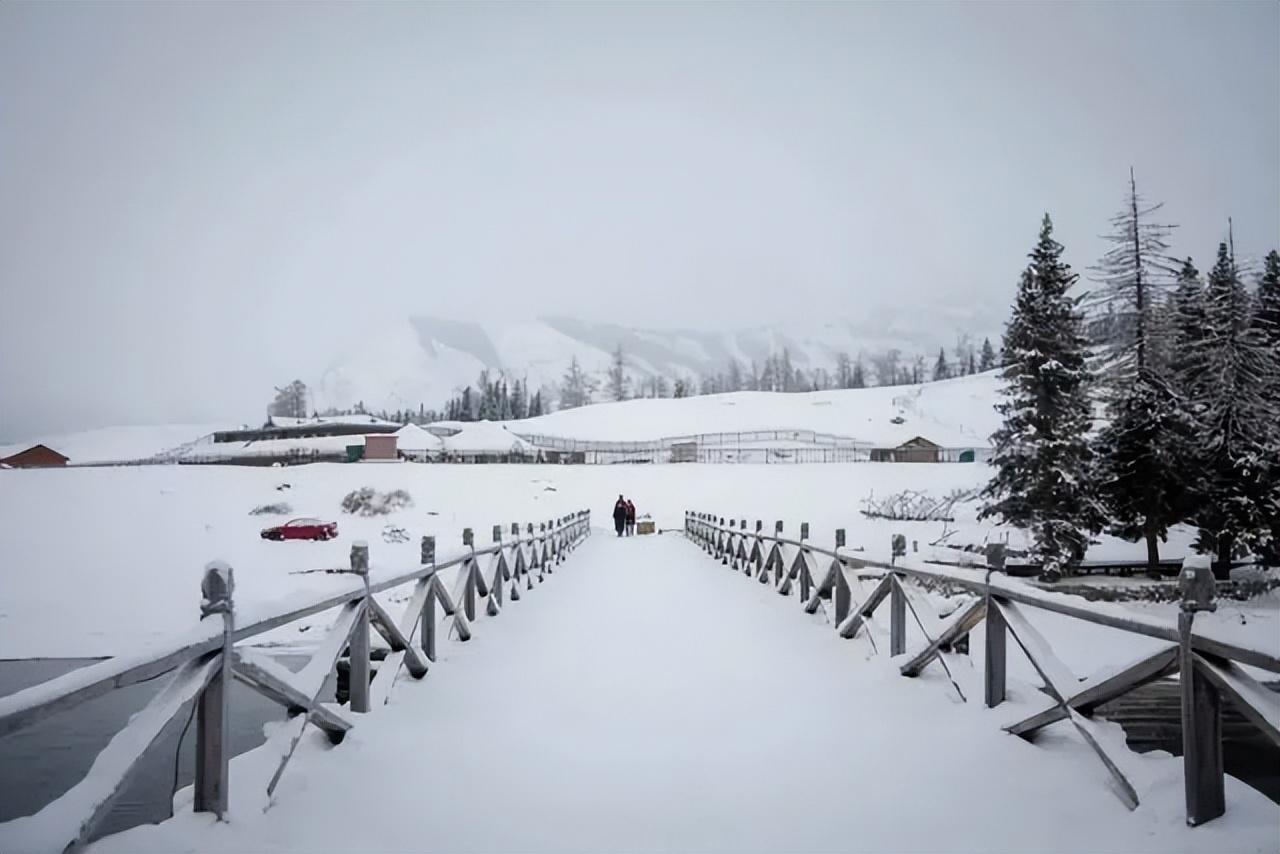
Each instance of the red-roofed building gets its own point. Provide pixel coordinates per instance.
(37, 456)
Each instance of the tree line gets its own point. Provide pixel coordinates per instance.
(1149, 402)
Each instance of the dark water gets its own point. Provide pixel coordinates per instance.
(41, 762)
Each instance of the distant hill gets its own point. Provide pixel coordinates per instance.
(426, 360)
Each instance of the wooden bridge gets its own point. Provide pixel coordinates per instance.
(646, 702)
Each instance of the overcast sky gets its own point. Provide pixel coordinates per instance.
(199, 201)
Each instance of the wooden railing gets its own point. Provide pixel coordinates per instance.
(1210, 669)
(203, 662)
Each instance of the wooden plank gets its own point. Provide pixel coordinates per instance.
(1058, 677)
(1252, 699)
(275, 682)
(396, 635)
(1100, 689)
(72, 819)
(959, 626)
(460, 621)
(1060, 683)
(841, 594)
(849, 627)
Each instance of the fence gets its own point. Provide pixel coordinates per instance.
(203, 662)
(1209, 668)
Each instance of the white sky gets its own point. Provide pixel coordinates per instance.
(197, 201)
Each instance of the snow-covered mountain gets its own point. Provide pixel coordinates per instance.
(426, 360)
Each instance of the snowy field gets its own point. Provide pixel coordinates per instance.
(117, 553)
(653, 645)
(647, 699)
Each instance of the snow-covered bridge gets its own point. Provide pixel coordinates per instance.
(640, 696)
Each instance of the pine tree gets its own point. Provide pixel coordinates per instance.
(535, 404)
(619, 382)
(682, 388)
(290, 401)
(1133, 273)
(1267, 310)
(1143, 479)
(1233, 369)
(858, 378)
(988, 360)
(941, 370)
(576, 387)
(1041, 455)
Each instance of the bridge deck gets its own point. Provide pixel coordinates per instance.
(646, 698)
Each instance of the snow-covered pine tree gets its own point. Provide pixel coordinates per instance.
(1267, 309)
(576, 387)
(1134, 274)
(988, 359)
(858, 379)
(1143, 480)
(619, 382)
(941, 370)
(1041, 457)
(1233, 370)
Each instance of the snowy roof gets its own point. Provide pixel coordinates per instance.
(411, 437)
(480, 437)
(361, 420)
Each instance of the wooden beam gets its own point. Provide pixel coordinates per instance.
(460, 621)
(399, 636)
(114, 766)
(959, 626)
(1250, 697)
(1059, 681)
(275, 682)
(849, 627)
(1101, 689)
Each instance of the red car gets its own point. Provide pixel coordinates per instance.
(302, 529)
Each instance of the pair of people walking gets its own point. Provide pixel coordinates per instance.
(624, 516)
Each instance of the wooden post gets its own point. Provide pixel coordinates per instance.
(897, 617)
(804, 530)
(427, 621)
(1201, 734)
(428, 624)
(994, 660)
(843, 596)
(213, 710)
(359, 647)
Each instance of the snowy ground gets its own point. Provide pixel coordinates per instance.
(116, 554)
(647, 699)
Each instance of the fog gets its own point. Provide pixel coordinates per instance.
(198, 201)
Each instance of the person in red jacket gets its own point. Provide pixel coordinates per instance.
(631, 518)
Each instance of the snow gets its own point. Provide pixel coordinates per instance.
(956, 413)
(411, 437)
(481, 437)
(645, 698)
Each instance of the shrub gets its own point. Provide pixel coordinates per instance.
(277, 509)
(369, 502)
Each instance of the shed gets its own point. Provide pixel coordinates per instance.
(380, 446)
(917, 449)
(37, 456)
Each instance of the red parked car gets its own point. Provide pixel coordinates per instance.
(302, 529)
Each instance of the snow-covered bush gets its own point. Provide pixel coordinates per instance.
(278, 509)
(912, 506)
(369, 502)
